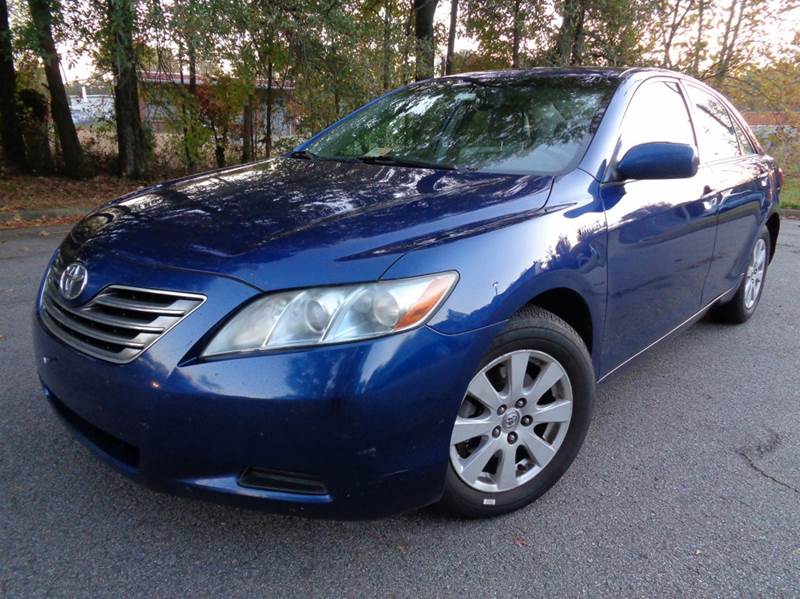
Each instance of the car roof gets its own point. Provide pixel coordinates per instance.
(608, 73)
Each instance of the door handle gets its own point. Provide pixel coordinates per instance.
(710, 197)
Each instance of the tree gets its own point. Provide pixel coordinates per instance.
(10, 122)
(568, 47)
(503, 27)
(669, 18)
(219, 104)
(37, 141)
(387, 44)
(424, 11)
(131, 140)
(42, 21)
(451, 37)
(613, 33)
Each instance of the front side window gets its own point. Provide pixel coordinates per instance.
(715, 131)
(534, 126)
(657, 113)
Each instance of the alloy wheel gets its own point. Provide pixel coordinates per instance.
(512, 421)
(754, 276)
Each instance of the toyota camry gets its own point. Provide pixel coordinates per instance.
(415, 305)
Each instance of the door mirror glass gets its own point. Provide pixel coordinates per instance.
(658, 160)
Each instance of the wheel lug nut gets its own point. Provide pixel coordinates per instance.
(526, 420)
(501, 410)
(520, 403)
(496, 432)
(512, 437)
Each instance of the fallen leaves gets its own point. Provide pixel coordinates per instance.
(25, 192)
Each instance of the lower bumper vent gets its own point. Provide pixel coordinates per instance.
(285, 482)
(116, 448)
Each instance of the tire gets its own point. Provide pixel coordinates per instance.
(742, 306)
(540, 343)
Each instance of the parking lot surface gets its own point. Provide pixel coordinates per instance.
(688, 485)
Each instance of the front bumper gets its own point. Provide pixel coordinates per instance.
(370, 420)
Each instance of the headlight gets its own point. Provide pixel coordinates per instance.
(326, 315)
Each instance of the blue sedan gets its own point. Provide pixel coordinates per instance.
(415, 305)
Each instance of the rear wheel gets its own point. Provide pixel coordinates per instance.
(523, 418)
(743, 305)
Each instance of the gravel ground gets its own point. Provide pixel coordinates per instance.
(688, 485)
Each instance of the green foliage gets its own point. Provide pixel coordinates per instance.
(334, 55)
(790, 196)
(500, 24)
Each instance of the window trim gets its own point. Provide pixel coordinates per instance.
(731, 115)
(740, 129)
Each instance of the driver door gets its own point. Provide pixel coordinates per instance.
(660, 232)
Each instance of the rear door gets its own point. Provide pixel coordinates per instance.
(739, 178)
(660, 232)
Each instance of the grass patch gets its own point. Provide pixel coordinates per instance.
(790, 194)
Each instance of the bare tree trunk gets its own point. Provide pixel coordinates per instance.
(187, 150)
(569, 42)
(191, 120)
(42, 17)
(10, 122)
(451, 37)
(268, 133)
(247, 130)
(37, 139)
(131, 140)
(219, 148)
(577, 41)
(407, 50)
(387, 39)
(424, 11)
(565, 33)
(729, 40)
(698, 44)
(516, 35)
(676, 22)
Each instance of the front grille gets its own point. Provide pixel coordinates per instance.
(117, 324)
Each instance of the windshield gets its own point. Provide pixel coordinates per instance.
(533, 126)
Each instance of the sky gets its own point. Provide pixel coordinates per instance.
(77, 68)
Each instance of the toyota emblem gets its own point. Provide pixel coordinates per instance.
(73, 280)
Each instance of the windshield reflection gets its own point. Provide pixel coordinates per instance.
(537, 125)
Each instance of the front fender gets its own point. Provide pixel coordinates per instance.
(501, 270)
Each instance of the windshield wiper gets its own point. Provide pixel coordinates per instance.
(388, 159)
(303, 154)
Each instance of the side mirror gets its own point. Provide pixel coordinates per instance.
(658, 160)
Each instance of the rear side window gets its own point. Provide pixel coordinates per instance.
(656, 113)
(744, 142)
(715, 131)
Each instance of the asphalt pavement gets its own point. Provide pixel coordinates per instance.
(688, 485)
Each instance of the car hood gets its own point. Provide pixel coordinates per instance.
(289, 222)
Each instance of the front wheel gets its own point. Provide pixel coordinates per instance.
(523, 418)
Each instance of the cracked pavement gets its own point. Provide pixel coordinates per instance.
(687, 485)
